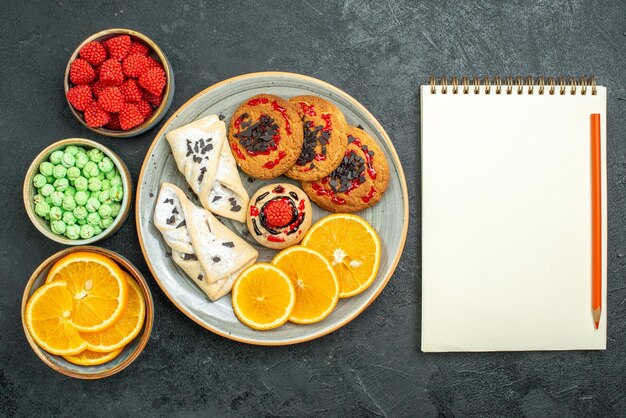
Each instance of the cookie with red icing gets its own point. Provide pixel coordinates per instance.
(358, 182)
(325, 139)
(279, 215)
(265, 135)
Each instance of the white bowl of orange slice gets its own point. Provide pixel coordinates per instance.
(87, 312)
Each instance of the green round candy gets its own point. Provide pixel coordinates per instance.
(46, 168)
(81, 183)
(104, 196)
(105, 211)
(46, 190)
(106, 222)
(42, 209)
(116, 181)
(50, 179)
(56, 157)
(55, 213)
(95, 155)
(73, 173)
(48, 200)
(39, 180)
(69, 203)
(61, 184)
(81, 198)
(72, 149)
(106, 184)
(57, 198)
(68, 160)
(38, 199)
(95, 195)
(80, 213)
(58, 227)
(93, 219)
(81, 160)
(97, 230)
(92, 204)
(69, 218)
(81, 222)
(106, 165)
(101, 176)
(59, 171)
(116, 193)
(81, 150)
(72, 231)
(86, 231)
(111, 174)
(70, 191)
(47, 217)
(115, 209)
(91, 170)
(94, 184)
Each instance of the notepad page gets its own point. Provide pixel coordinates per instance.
(506, 221)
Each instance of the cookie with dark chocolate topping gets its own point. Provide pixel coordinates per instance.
(358, 182)
(265, 135)
(325, 140)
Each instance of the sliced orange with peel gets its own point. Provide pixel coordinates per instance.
(98, 288)
(48, 319)
(92, 358)
(263, 297)
(127, 326)
(351, 246)
(315, 282)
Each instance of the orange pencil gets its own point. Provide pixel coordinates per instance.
(596, 219)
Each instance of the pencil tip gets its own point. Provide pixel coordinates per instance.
(596, 316)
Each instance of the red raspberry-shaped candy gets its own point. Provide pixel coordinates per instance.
(145, 108)
(153, 80)
(111, 73)
(130, 116)
(114, 122)
(137, 47)
(95, 116)
(111, 99)
(81, 72)
(80, 97)
(278, 213)
(118, 47)
(152, 98)
(93, 52)
(135, 64)
(131, 91)
(153, 63)
(96, 88)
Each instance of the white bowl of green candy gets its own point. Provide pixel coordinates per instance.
(77, 192)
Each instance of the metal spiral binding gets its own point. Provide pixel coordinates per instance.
(550, 85)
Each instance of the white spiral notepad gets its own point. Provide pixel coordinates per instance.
(506, 215)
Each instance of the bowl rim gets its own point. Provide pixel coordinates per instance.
(125, 205)
(135, 274)
(156, 115)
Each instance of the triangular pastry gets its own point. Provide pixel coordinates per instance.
(211, 254)
(209, 166)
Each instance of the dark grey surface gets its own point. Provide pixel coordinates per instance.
(378, 52)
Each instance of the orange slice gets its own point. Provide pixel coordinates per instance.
(127, 327)
(97, 285)
(263, 297)
(351, 246)
(91, 358)
(48, 319)
(317, 288)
